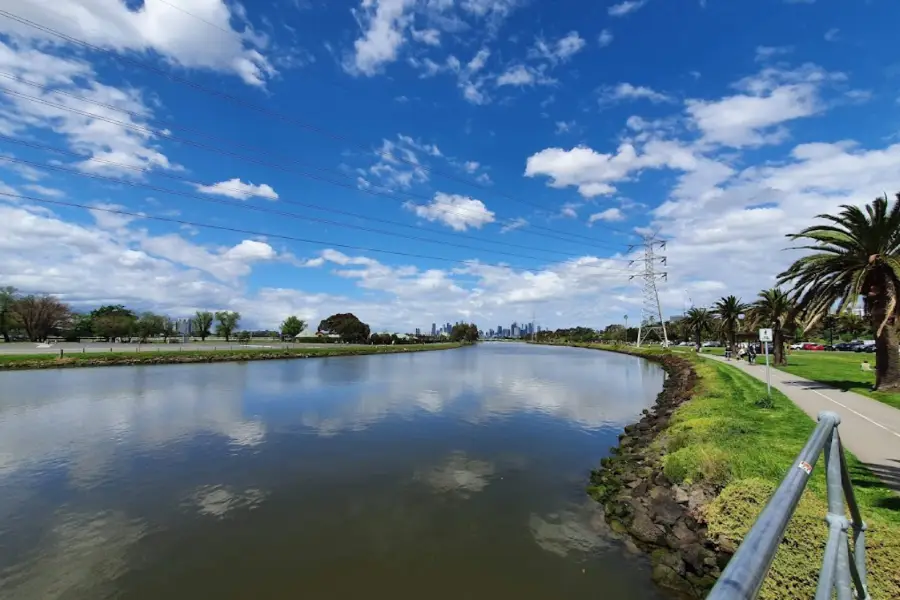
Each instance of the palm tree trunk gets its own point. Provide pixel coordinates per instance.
(778, 346)
(887, 354)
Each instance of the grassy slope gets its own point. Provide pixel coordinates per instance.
(73, 359)
(839, 369)
(721, 436)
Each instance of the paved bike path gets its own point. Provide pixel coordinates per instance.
(869, 429)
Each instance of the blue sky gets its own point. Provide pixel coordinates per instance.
(501, 154)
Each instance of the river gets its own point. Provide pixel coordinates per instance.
(449, 474)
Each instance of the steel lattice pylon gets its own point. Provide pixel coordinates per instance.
(651, 311)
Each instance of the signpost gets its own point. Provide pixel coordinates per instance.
(765, 336)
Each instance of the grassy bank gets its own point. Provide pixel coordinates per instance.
(723, 438)
(838, 369)
(104, 359)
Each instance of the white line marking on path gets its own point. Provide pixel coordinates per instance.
(860, 415)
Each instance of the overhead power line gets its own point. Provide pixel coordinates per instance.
(257, 107)
(248, 231)
(265, 209)
(248, 195)
(556, 234)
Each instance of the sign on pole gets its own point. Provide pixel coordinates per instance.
(765, 336)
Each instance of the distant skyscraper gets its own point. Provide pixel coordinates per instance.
(433, 330)
(418, 332)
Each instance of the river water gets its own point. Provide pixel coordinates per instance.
(450, 474)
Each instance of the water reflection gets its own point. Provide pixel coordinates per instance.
(395, 472)
(459, 474)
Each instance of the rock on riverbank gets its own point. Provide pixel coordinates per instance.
(642, 504)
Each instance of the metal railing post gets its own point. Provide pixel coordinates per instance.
(744, 575)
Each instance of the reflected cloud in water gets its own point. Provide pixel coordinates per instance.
(218, 500)
(458, 474)
(577, 529)
(80, 557)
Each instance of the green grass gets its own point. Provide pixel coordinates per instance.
(724, 438)
(841, 370)
(75, 359)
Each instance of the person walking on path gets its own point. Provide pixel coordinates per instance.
(869, 429)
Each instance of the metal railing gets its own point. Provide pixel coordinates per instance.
(747, 569)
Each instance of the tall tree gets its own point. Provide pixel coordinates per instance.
(729, 309)
(347, 326)
(292, 327)
(228, 322)
(40, 315)
(203, 321)
(856, 253)
(7, 315)
(700, 320)
(774, 309)
(113, 321)
(150, 324)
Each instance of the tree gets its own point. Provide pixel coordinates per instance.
(292, 327)
(40, 315)
(857, 253)
(774, 309)
(203, 321)
(8, 317)
(699, 320)
(228, 321)
(347, 326)
(112, 321)
(852, 324)
(464, 332)
(729, 309)
(244, 337)
(169, 329)
(149, 324)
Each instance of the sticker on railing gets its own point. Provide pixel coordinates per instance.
(805, 466)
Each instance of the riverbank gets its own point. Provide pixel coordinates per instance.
(688, 481)
(16, 362)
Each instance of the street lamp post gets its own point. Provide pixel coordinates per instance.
(626, 329)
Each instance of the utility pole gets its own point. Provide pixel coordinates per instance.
(626, 329)
(651, 310)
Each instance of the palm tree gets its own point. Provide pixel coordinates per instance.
(856, 254)
(729, 309)
(774, 309)
(699, 320)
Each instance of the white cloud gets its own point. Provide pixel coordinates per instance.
(564, 126)
(524, 75)
(559, 51)
(609, 215)
(605, 38)
(627, 91)
(832, 34)
(235, 188)
(764, 53)
(767, 100)
(122, 138)
(516, 223)
(384, 24)
(157, 27)
(45, 191)
(456, 211)
(429, 37)
(624, 8)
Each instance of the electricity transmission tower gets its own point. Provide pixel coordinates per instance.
(651, 311)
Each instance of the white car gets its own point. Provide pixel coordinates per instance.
(797, 346)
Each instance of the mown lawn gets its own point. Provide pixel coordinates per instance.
(18, 361)
(724, 438)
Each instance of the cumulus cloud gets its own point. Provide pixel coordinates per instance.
(765, 101)
(764, 53)
(605, 38)
(173, 34)
(559, 51)
(383, 24)
(623, 8)
(609, 215)
(627, 91)
(235, 188)
(457, 212)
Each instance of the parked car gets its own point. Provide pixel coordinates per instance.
(797, 346)
(844, 347)
(864, 346)
(811, 346)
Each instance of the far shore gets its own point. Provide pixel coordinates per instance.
(69, 359)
